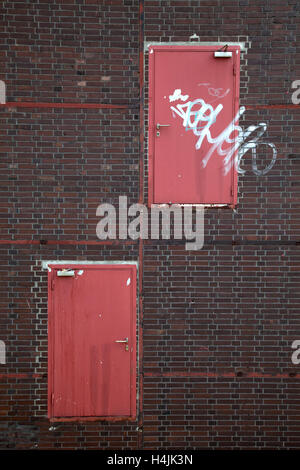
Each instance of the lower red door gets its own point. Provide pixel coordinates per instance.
(92, 341)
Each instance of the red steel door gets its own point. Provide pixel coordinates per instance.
(90, 373)
(193, 107)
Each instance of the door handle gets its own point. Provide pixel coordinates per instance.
(123, 341)
(158, 126)
(162, 125)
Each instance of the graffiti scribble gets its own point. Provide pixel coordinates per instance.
(177, 96)
(2, 353)
(199, 116)
(215, 92)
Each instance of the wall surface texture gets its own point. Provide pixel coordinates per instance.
(216, 326)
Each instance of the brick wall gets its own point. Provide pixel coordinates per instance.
(218, 323)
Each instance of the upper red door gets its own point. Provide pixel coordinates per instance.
(193, 107)
(92, 341)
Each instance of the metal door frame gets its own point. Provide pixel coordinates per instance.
(45, 266)
(207, 45)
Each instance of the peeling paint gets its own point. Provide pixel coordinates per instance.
(80, 272)
(128, 281)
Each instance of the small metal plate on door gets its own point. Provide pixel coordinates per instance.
(66, 273)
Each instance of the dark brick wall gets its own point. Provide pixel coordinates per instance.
(218, 323)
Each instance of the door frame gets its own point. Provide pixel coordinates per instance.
(205, 46)
(134, 392)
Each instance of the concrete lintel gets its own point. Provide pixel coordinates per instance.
(46, 263)
(147, 44)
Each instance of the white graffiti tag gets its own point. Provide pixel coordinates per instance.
(2, 353)
(178, 96)
(198, 116)
(215, 92)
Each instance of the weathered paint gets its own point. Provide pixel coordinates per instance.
(239, 374)
(245, 375)
(17, 375)
(84, 419)
(67, 242)
(185, 159)
(32, 104)
(90, 375)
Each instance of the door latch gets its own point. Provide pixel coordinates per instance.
(123, 341)
(158, 126)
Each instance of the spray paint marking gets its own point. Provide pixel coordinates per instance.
(2, 353)
(2, 92)
(177, 96)
(199, 116)
(216, 92)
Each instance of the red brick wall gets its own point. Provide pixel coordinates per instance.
(218, 323)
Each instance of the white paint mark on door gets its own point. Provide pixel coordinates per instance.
(2, 353)
(177, 96)
(2, 92)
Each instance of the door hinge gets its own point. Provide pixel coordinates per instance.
(52, 398)
(234, 69)
(52, 284)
